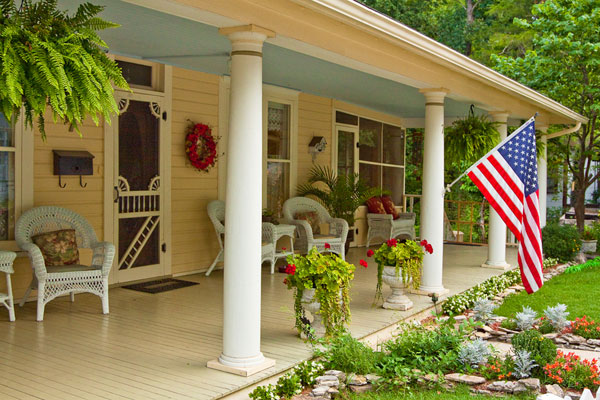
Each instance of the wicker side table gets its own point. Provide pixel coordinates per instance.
(280, 231)
(6, 265)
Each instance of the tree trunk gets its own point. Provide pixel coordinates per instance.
(470, 7)
(565, 186)
(579, 205)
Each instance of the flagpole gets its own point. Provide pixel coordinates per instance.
(490, 152)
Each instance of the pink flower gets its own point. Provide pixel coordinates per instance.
(392, 242)
(327, 246)
(370, 253)
(363, 263)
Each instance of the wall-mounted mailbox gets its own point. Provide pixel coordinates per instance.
(69, 162)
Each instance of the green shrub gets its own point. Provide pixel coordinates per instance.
(266, 392)
(347, 354)
(288, 386)
(308, 371)
(430, 351)
(541, 349)
(561, 241)
(546, 327)
(509, 323)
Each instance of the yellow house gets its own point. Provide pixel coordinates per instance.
(267, 76)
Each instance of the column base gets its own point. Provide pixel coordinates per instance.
(426, 291)
(501, 266)
(241, 370)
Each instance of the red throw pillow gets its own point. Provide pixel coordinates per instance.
(388, 205)
(375, 206)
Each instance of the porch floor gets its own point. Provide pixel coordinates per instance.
(155, 346)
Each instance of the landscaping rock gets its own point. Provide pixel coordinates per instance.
(555, 390)
(361, 388)
(320, 391)
(460, 318)
(327, 380)
(483, 335)
(432, 378)
(357, 380)
(372, 378)
(574, 339)
(531, 383)
(333, 391)
(594, 342)
(576, 396)
(548, 396)
(466, 379)
(507, 387)
(338, 374)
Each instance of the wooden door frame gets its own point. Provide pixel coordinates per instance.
(165, 166)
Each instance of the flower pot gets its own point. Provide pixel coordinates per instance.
(313, 306)
(588, 246)
(397, 300)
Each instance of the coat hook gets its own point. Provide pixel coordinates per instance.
(60, 184)
(81, 182)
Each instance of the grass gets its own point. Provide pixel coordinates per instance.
(579, 291)
(461, 393)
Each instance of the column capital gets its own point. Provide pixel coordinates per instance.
(542, 128)
(434, 96)
(247, 39)
(499, 116)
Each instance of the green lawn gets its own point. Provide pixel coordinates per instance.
(461, 393)
(579, 291)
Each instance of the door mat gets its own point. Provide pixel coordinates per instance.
(160, 285)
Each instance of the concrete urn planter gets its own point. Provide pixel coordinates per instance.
(397, 300)
(313, 306)
(588, 246)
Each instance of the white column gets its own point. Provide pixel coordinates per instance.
(242, 274)
(543, 177)
(432, 200)
(497, 228)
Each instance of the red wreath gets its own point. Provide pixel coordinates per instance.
(201, 147)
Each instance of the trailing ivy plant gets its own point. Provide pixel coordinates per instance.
(470, 138)
(52, 59)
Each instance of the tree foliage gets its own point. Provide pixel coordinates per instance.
(564, 63)
(51, 59)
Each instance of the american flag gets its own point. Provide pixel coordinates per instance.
(507, 177)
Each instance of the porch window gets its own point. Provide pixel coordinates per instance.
(278, 155)
(381, 156)
(7, 179)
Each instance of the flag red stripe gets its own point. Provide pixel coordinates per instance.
(499, 188)
(495, 205)
(506, 177)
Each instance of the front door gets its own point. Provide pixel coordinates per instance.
(139, 201)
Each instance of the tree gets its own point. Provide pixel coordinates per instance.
(564, 63)
(56, 61)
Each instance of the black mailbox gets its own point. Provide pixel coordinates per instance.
(69, 162)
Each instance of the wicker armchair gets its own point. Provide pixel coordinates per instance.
(386, 227)
(59, 280)
(216, 213)
(6, 265)
(305, 239)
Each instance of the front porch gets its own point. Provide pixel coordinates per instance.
(157, 346)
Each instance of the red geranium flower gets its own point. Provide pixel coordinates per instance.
(370, 253)
(291, 269)
(392, 243)
(423, 243)
(429, 248)
(285, 281)
(283, 248)
(363, 263)
(327, 246)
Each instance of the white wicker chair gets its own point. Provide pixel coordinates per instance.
(216, 213)
(59, 280)
(305, 239)
(386, 227)
(6, 265)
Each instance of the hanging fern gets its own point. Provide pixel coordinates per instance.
(51, 59)
(470, 138)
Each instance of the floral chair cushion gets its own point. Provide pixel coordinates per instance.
(58, 247)
(312, 218)
(375, 205)
(390, 207)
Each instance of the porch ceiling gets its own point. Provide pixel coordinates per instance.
(165, 38)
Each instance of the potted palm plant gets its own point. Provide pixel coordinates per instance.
(340, 194)
(321, 284)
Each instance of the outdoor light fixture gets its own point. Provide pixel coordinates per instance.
(317, 145)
